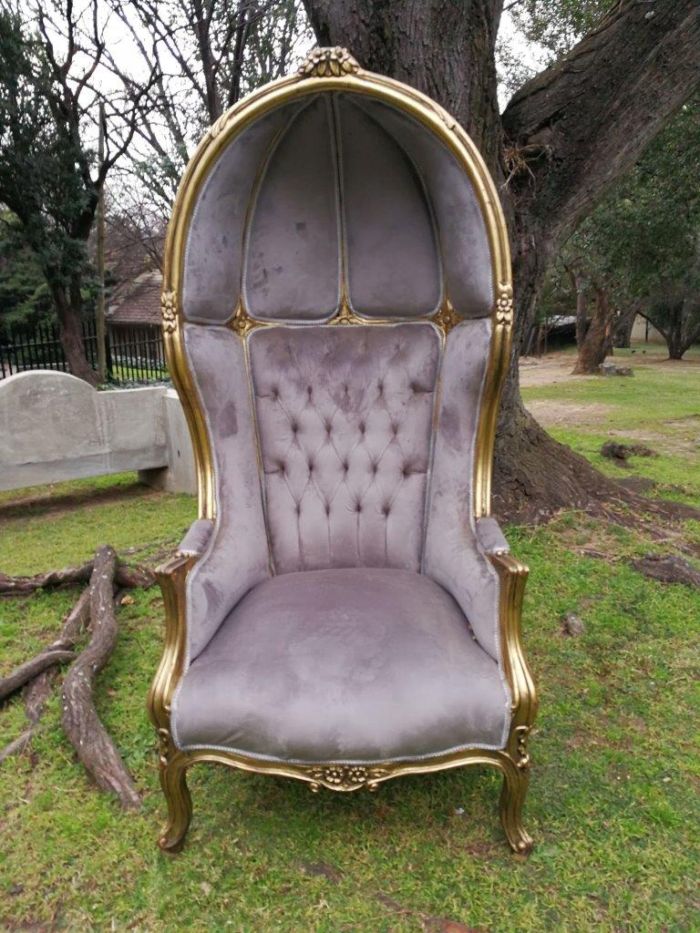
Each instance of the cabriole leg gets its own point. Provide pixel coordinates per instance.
(515, 784)
(173, 779)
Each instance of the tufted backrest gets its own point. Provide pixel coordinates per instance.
(345, 422)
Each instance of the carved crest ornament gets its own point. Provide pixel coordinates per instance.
(328, 63)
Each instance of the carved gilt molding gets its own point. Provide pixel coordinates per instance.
(344, 777)
(504, 305)
(328, 63)
(446, 318)
(523, 760)
(168, 308)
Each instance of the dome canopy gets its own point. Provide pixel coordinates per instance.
(330, 198)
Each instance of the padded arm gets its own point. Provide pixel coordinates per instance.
(490, 536)
(197, 537)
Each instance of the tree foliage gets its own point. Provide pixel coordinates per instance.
(50, 178)
(641, 245)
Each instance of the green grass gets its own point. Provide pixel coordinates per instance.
(659, 407)
(612, 806)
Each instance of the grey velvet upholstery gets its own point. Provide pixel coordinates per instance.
(337, 190)
(393, 263)
(293, 248)
(464, 246)
(214, 252)
(197, 537)
(355, 665)
(490, 536)
(345, 422)
(452, 554)
(237, 555)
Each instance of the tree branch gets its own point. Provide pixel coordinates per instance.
(585, 120)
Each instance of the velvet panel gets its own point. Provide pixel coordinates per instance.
(392, 260)
(292, 264)
(236, 555)
(214, 247)
(453, 555)
(464, 246)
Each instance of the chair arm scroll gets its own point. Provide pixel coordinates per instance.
(513, 576)
(196, 539)
(172, 577)
(490, 536)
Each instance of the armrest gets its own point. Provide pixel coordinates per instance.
(490, 536)
(197, 537)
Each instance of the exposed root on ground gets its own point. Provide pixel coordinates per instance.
(94, 613)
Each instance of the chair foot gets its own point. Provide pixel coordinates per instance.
(173, 779)
(515, 784)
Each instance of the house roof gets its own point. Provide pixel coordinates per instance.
(137, 301)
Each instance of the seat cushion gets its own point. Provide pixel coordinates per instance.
(351, 665)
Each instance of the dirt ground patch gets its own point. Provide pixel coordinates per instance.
(556, 367)
(551, 413)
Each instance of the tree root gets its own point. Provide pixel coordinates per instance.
(125, 577)
(80, 721)
(58, 652)
(93, 611)
(537, 477)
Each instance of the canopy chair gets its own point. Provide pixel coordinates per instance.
(337, 310)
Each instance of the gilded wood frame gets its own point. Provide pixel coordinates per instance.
(335, 70)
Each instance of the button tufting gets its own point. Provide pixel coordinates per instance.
(359, 414)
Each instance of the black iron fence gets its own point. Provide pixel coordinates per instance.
(135, 355)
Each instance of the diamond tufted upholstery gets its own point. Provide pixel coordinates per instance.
(345, 422)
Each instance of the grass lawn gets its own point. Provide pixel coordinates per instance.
(613, 804)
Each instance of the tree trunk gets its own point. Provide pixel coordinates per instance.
(622, 331)
(576, 127)
(71, 333)
(598, 340)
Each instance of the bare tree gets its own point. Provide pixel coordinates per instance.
(204, 54)
(50, 177)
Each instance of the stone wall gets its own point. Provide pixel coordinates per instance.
(55, 427)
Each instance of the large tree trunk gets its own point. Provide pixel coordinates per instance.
(576, 127)
(71, 333)
(598, 340)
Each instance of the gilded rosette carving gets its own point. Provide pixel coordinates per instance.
(345, 777)
(168, 307)
(504, 305)
(328, 63)
(446, 318)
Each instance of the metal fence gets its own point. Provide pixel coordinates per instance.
(135, 355)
